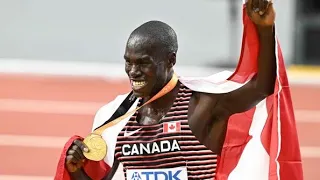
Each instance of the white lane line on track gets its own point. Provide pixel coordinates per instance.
(310, 151)
(311, 116)
(32, 141)
(44, 106)
(58, 142)
(55, 142)
(118, 176)
(17, 177)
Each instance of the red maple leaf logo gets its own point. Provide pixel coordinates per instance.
(172, 126)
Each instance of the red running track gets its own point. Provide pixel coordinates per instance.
(38, 114)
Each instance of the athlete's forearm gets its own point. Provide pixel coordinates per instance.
(266, 61)
(79, 175)
(262, 85)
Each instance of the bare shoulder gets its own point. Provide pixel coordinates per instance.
(207, 104)
(205, 110)
(208, 120)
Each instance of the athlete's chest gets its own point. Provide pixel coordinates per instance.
(167, 150)
(165, 137)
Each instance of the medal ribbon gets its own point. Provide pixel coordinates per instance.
(167, 88)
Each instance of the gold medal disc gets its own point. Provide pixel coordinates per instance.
(97, 147)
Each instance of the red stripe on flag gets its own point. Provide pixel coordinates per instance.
(290, 156)
(165, 127)
(236, 139)
(265, 136)
(248, 65)
(178, 126)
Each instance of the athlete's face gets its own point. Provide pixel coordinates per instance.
(147, 72)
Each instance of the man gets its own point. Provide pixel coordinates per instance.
(182, 134)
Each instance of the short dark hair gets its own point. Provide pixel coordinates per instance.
(158, 35)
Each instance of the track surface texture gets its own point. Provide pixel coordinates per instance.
(39, 113)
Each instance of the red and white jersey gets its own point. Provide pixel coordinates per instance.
(167, 150)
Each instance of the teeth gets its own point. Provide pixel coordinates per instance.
(138, 83)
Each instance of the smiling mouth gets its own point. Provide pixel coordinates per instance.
(136, 85)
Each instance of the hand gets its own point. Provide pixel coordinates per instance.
(75, 158)
(261, 12)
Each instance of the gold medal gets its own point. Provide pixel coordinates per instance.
(97, 147)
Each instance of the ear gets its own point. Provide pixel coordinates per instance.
(171, 59)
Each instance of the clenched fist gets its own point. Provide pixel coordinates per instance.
(75, 158)
(261, 12)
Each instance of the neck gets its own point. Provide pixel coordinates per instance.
(158, 103)
(160, 86)
(165, 100)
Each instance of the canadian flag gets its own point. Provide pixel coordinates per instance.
(171, 127)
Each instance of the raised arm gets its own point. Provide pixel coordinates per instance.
(212, 127)
(262, 85)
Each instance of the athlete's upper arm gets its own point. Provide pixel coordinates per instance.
(242, 99)
(262, 85)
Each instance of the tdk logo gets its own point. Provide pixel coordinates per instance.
(170, 175)
(158, 174)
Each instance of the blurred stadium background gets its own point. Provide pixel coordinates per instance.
(61, 60)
